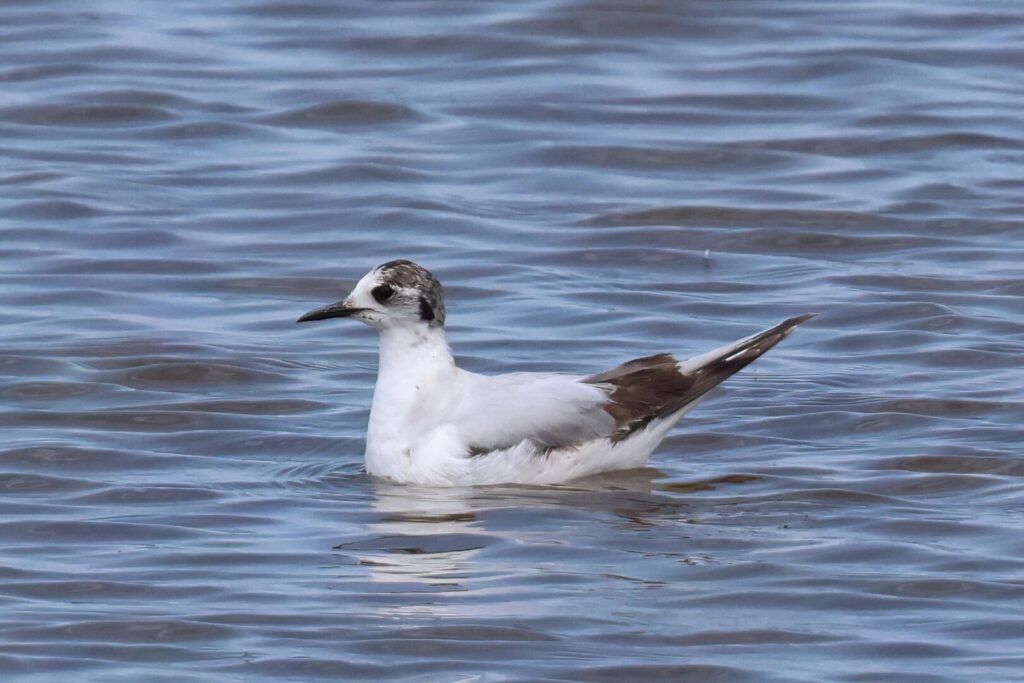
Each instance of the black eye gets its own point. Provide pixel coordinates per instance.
(382, 293)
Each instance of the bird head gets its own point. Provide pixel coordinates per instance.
(395, 294)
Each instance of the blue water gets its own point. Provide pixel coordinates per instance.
(181, 494)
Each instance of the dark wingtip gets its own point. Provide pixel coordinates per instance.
(796, 320)
(786, 326)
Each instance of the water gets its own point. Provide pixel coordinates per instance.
(180, 464)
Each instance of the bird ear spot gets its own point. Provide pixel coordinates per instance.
(426, 311)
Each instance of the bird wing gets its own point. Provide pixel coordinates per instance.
(549, 410)
(557, 411)
(659, 386)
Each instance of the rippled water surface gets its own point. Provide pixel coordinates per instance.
(181, 486)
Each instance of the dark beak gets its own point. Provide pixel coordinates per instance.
(338, 310)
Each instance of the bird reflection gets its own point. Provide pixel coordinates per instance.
(427, 547)
(420, 534)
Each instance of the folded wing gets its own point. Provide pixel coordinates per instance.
(549, 411)
(559, 411)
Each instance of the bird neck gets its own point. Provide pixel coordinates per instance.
(415, 381)
(415, 373)
(415, 365)
(410, 353)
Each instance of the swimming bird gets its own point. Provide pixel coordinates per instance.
(435, 424)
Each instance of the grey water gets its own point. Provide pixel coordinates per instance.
(181, 492)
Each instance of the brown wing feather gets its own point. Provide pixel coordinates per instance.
(652, 387)
(640, 390)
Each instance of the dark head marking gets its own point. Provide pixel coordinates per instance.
(416, 285)
(426, 312)
(382, 292)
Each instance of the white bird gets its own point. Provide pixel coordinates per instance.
(435, 424)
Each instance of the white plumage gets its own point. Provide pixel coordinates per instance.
(435, 424)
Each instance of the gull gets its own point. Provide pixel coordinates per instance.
(435, 424)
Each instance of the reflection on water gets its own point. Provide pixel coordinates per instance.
(434, 546)
(180, 465)
(422, 537)
(431, 536)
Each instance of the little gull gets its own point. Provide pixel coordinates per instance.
(434, 424)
